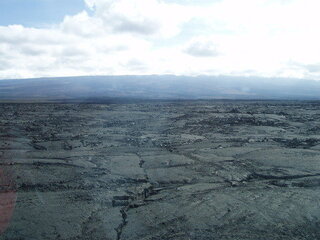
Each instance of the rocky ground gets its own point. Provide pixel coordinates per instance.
(160, 170)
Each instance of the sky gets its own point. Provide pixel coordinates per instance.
(266, 38)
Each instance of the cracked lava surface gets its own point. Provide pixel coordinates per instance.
(160, 170)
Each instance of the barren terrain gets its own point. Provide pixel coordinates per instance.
(160, 170)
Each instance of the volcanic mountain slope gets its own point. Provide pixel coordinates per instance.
(157, 87)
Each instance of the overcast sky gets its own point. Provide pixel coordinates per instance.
(191, 37)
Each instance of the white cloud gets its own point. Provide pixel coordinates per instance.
(83, 25)
(146, 17)
(248, 37)
(202, 48)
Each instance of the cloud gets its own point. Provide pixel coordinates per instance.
(4, 64)
(83, 25)
(311, 71)
(202, 48)
(142, 27)
(135, 65)
(18, 34)
(31, 50)
(313, 68)
(142, 16)
(249, 37)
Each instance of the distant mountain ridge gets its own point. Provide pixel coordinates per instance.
(159, 87)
